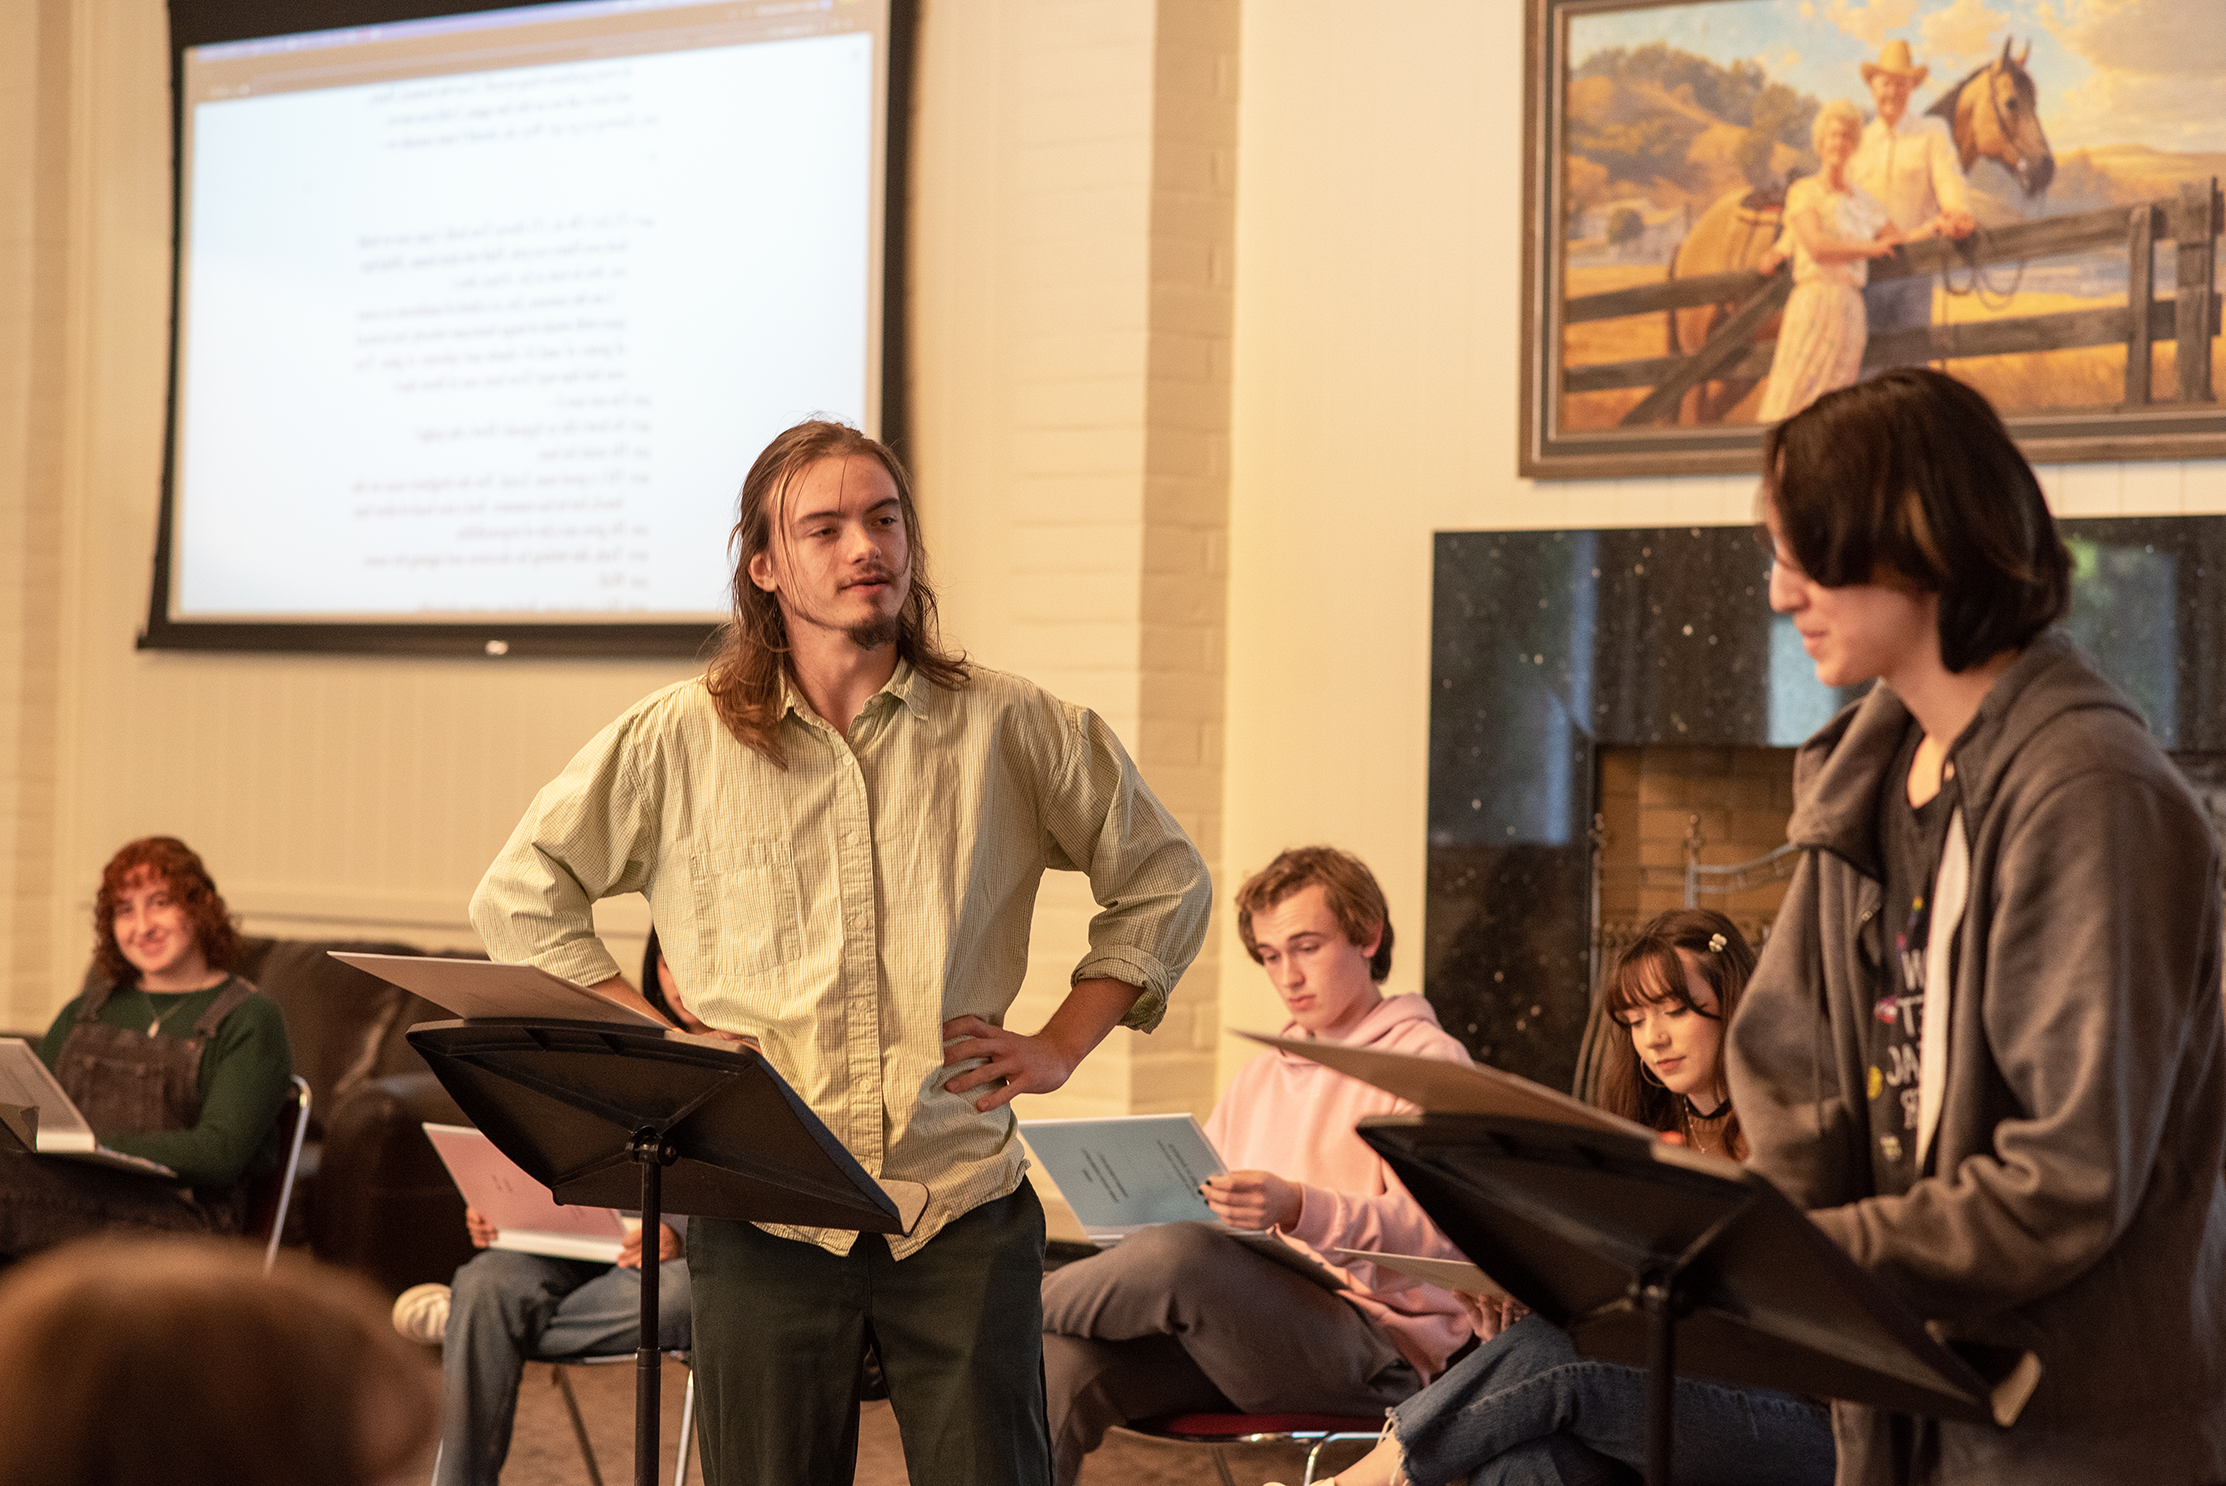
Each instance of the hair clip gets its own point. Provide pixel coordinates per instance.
(1716, 944)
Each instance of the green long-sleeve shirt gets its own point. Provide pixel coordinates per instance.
(244, 1075)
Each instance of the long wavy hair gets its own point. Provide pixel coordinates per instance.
(753, 658)
(178, 868)
(1650, 972)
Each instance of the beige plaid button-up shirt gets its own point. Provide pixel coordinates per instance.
(843, 909)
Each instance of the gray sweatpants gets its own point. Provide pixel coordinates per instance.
(1183, 1319)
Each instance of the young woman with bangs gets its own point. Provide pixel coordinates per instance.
(1524, 1409)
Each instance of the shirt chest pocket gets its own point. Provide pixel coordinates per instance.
(747, 913)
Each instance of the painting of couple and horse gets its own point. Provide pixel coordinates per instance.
(2044, 168)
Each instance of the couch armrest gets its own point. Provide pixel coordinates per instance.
(385, 1205)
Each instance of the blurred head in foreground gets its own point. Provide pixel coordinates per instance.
(180, 1361)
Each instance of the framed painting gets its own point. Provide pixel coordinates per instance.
(1732, 206)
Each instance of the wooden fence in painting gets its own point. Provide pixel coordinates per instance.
(2192, 220)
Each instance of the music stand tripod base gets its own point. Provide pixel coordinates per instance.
(606, 1115)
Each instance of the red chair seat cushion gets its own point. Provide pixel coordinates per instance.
(1219, 1427)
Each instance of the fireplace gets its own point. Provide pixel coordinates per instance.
(1680, 825)
(1611, 708)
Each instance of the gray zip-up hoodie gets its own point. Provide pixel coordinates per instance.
(2074, 1198)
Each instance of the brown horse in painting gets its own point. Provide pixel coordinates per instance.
(1993, 115)
(1738, 228)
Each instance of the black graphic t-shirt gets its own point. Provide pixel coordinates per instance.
(1910, 842)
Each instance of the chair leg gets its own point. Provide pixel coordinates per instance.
(1313, 1459)
(579, 1425)
(1221, 1466)
(687, 1430)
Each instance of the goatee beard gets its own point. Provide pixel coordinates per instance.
(872, 634)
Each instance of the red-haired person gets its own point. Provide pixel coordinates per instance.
(1182, 1318)
(169, 1056)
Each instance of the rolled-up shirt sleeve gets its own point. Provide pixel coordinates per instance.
(1153, 893)
(590, 833)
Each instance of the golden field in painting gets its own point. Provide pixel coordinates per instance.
(2088, 377)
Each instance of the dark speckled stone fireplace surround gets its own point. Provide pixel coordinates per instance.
(1547, 645)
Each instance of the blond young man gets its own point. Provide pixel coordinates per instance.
(1182, 1318)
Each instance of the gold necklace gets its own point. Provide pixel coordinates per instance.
(154, 1021)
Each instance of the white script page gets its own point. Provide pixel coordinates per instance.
(505, 341)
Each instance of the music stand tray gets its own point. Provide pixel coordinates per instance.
(612, 1115)
(1654, 1256)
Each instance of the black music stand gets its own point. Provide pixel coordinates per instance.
(1650, 1255)
(597, 1112)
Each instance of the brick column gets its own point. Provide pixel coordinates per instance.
(1072, 286)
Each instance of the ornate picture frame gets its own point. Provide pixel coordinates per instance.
(1663, 139)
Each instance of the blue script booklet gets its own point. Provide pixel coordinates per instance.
(1125, 1172)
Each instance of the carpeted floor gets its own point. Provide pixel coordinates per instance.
(543, 1451)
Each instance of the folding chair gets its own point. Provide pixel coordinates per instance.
(562, 1366)
(1219, 1431)
(276, 1194)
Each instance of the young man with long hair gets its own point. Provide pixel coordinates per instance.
(1984, 1041)
(840, 829)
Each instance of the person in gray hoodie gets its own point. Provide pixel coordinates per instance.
(1984, 1042)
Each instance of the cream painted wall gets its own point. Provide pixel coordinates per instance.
(1379, 259)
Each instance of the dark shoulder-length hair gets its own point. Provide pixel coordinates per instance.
(1909, 477)
(1650, 972)
(178, 868)
(745, 675)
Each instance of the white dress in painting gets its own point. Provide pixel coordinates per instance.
(1820, 339)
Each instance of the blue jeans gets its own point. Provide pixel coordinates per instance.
(1525, 1410)
(505, 1308)
(1898, 304)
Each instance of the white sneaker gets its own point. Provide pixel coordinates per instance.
(421, 1313)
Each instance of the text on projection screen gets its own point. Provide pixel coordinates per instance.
(506, 341)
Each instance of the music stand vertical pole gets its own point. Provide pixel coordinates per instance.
(648, 1361)
(1661, 1376)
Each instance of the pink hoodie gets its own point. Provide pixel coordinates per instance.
(1291, 1116)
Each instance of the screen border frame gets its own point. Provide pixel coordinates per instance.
(202, 22)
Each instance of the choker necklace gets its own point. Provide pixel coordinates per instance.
(1691, 1120)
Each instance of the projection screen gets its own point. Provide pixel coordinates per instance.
(480, 316)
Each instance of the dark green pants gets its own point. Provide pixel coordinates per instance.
(780, 1327)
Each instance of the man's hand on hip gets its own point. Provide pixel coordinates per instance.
(1014, 1063)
